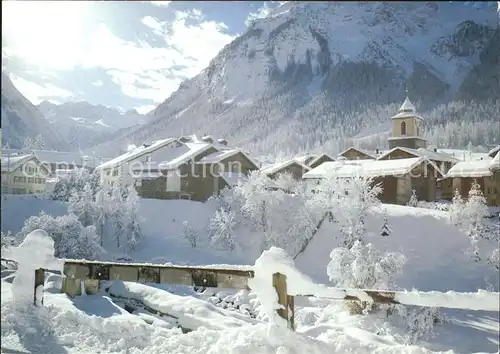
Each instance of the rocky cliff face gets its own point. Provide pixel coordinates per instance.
(21, 119)
(308, 67)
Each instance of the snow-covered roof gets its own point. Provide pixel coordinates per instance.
(465, 155)
(184, 153)
(218, 156)
(407, 106)
(58, 157)
(493, 152)
(495, 163)
(407, 115)
(273, 168)
(367, 168)
(319, 157)
(130, 155)
(11, 163)
(477, 168)
(407, 110)
(232, 178)
(367, 153)
(303, 159)
(431, 155)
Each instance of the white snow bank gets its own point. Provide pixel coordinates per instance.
(191, 312)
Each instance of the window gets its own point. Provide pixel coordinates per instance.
(115, 172)
(403, 128)
(148, 158)
(31, 180)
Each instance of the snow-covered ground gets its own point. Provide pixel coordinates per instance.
(127, 318)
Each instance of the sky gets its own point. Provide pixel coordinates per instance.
(121, 54)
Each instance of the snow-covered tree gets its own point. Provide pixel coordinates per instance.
(189, 234)
(385, 230)
(359, 196)
(66, 231)
(457, 209)
(286, 182)
(27, 145)
(222, 229)
(475, 211)
(8, 239)
(364, 267)
(88, 245)
(131, 220)
(117, 215)
(103, 211)
(38, 143)
(413, 202)
(83, 206)
(64, 187)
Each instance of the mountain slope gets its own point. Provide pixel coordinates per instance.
(21, 119)
(84, 125)
(310, 73)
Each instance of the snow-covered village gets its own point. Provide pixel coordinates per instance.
(250, 177)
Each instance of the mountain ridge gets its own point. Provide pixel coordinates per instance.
(321, 66)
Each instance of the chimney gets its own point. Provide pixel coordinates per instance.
(377, 151)
(435, 150)
(222, 141)
(207, 139)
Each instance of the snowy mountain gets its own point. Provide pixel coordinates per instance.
(309, 73)
(21, 119)
(84, 125)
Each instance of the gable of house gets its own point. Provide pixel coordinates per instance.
(319, 160)
(353, 153)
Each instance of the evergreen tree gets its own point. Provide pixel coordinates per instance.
(131, 220)
(385, 231)
(413, 202)
(83, 206)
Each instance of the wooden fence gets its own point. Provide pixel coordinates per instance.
(90, 273)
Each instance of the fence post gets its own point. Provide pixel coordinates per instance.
(279, 283)
(39, 281)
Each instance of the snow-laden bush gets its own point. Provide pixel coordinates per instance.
(364, 267)
(8, 239)
(71, 239)
(221, 230)
(190, 234)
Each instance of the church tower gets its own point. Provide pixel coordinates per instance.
(407, 128)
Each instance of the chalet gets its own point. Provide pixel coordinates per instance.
(407, 128)
(23, 174)
(461, 176)
(293, 167)
(195, 174)
(119, 169)
(306, 159)
(493, 152)
(442, 160)
(319, 160)
(397, 177)
(353, 153)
